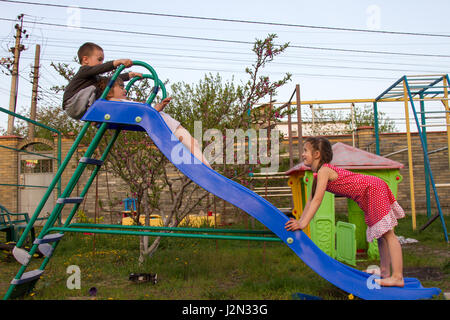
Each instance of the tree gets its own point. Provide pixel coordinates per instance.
(364, 116)
(329, 122)
(7, 64)
(218, 104)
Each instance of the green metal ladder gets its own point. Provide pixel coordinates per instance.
(24, 282)
(49, 237)
(47, 242)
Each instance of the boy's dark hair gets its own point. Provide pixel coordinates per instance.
(86, 50)
(322, 145)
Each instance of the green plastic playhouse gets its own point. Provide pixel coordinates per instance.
(344, 239)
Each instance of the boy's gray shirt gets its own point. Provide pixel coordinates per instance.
(88, 76)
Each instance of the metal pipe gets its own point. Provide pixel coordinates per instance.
(164, 234)
(147, 76)
(447, 111)
(427, 163)
(52, 185)
(410, 160)
(85, 189)
(173, 229)
(29, 152)
(377, 133)
(427, 174)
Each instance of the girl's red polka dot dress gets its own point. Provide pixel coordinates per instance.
(372, 194)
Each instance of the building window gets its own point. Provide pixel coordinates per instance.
(36, 166)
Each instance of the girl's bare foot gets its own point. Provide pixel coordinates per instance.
(391, 282)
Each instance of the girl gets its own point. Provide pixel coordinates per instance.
(373, 196)
(118, 93)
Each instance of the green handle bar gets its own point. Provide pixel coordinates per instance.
(135, 63)
(147, 76)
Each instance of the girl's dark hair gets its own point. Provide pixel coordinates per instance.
(322, 145)
(103, 83)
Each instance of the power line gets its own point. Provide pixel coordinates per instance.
(235, 20)
(236, 41)
(291, 64)
(246, 53)
(272, 73)
(278, 63)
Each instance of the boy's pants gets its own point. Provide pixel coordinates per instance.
(77, 105)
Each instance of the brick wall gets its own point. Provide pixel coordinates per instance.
(113, 188)
(439, 163)
(9, 161)
(364, 139)
(396, 142)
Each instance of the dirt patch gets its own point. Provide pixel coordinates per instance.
(426, 250)
(424, 273)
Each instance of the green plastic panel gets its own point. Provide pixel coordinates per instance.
(346, 242)
(356, 216)
(322, 226)
(373, 252)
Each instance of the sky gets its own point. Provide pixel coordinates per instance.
(323, 59)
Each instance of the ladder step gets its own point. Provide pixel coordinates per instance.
(21, 290)
(437, 185)
(91, 161)
(28, 276)
(46, 249)
(434, 125)
(21, 255)
(70, 200)
(49, 238)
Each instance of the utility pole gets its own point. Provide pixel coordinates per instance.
(14, 76)
(34, 93)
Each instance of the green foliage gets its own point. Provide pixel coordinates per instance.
(7, 64)
(259, 86)
(81, 217)
(220, 104)
(213, 101)
(363, 116)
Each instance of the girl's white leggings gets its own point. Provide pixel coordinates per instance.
(192, 144)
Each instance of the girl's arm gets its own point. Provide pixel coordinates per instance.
(308, 202)
(311, 205)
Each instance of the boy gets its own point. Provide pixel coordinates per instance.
(83, 90)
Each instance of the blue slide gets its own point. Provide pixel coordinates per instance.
(141, 117)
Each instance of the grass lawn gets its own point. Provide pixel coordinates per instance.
(196, 269)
